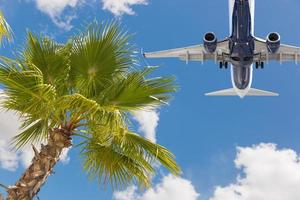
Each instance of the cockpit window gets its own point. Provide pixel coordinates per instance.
(235, 58)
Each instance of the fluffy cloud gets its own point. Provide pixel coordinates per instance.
(148, 121)
(9, 124)
(55, 8)
(269, 173)
(121, 7)
(171, 187)
(64, 157)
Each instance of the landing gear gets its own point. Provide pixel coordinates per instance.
(259, 65)
(224, 64)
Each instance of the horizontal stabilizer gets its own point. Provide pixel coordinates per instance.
(256, 92)
(235, 92)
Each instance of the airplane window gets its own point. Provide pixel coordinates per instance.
(235, 58)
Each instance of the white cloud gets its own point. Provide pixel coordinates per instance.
(8, 159)
(148, 120)
(128, 194)
(269, 173)
(55, 8)
(171, 187)
(64, 157)
(121, 7)
(9, 124)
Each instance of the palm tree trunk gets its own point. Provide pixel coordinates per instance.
(42, 165)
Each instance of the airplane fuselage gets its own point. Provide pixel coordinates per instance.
(241, 44)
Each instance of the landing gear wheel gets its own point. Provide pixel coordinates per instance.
(260, 65)
(221, 65)
(226, 65)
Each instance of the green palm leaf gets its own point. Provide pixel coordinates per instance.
(34, 133)
(127, 159)
(26, 94)
(50, 58)
(134, 91)
(98, 54)
(5, 30)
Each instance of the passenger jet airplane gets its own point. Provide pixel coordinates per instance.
(241, 49)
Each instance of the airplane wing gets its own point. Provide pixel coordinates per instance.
(285, 52)
(195, 53)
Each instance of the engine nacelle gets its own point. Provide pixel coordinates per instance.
(210, 42)
(273, 42)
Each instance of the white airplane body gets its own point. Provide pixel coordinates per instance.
(241, 49)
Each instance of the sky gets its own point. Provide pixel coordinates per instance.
(228, 148)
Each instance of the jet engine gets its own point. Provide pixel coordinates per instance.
(273, 42)
(210, 42)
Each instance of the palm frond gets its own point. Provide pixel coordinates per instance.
(5, 30)
(126, 159)
(24, 89)
(81, 108)
(153, 152)
(25, 93)
(134, 91)
(98, 53)
(34, 133)
(50, 58)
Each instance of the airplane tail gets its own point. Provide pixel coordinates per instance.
(233, 92)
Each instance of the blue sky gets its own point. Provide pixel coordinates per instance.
(225, 146)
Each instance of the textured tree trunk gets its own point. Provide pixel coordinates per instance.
(42, 165)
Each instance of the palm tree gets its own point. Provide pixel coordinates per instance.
(87, 88)
(5, 30)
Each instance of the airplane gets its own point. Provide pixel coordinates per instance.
(241, 50)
